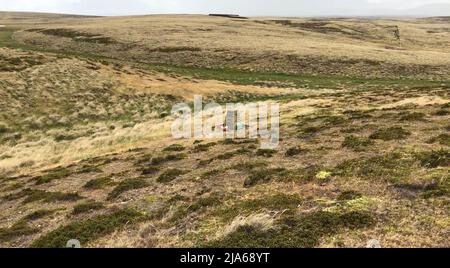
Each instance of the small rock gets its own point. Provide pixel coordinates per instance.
(373, 243)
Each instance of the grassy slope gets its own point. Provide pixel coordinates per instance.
(240, 76)
(347, 172)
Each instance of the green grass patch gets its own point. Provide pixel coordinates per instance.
(48, 197)
(32, 195)
(389, 134)
(89, 230)
(210, 174)
(198, 205)
(442, 189)
(293, 151)
(442, 112)
(266, 152)
(231, 154)
(174, 148)
(38, 214)
(407, 116)
(55, 174)
(99, 183)
(203, 147)
(311, 130)
(243, 77)
(250, 165)
(62, 137)
(168, 158)
(170, 175)
(434, 159)
(262, 175)
(348, 195)
(239, 141)
(86, 207)
(150, 170)
(355, 115)
(299, 175)
(18, 229)
(88, 169)
(356, 143)
(443, 139)
(127, 185)
(392, 167)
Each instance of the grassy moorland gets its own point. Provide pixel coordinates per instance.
(86, 150)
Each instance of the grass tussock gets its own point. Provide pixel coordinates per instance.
(231, 154)
(434, 159)
(87, 207)
(443, 139)
(301, 175)
(412, 116)
(210, 174)
(203, 147)
(17, 230)
(22, 227)
(174, 148)
(38, 214)
(392, 167)
(442, 189)
(389, 134)
(99, 183)
(168, 158)
(127, 185)
(55, 174)
(200, 204)
(266, 152)
(250, 165)
(262, 175)
(170, 175)
(348, 195)
(32, 195)
(356, 143)
(88, 169)
(293, 151)
(150, 170)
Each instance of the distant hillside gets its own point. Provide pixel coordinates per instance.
(35, 17)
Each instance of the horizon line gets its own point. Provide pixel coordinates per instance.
(207, 14)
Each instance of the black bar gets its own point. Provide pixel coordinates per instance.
(129, 258)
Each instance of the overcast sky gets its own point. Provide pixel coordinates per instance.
(242, 7)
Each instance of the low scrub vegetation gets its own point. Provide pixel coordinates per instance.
(392, 133)
(170, 175)
(88, 230)
(127, 185)
(294, 231)
(87, 207)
